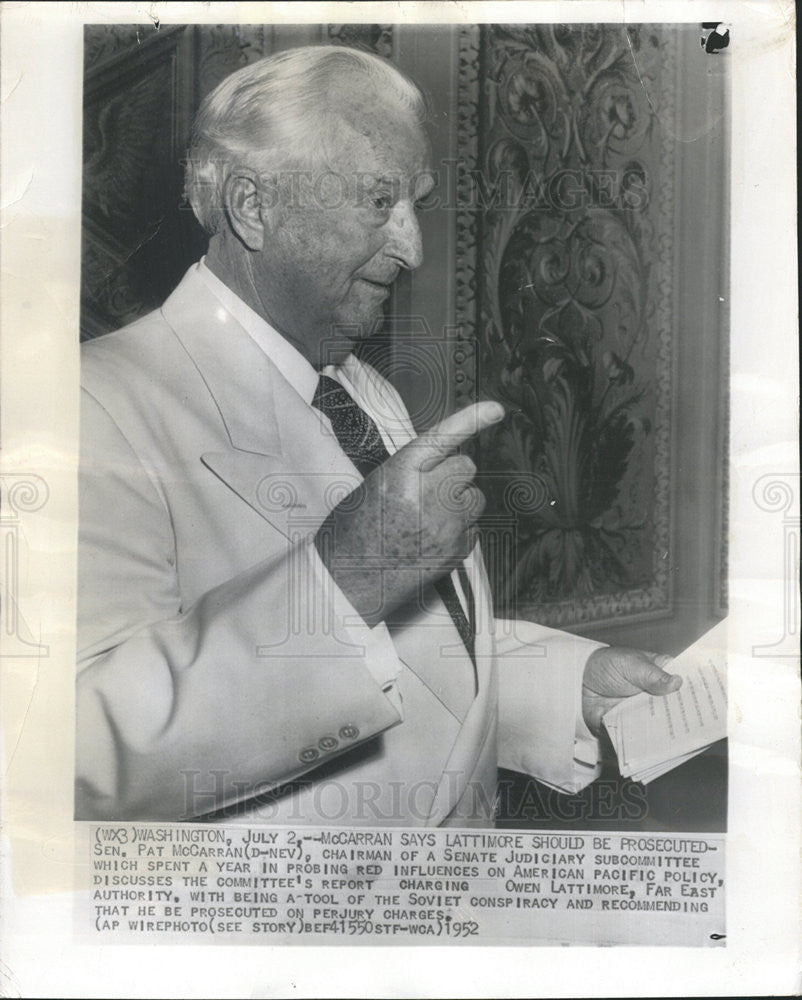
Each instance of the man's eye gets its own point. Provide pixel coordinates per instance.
(382, 202)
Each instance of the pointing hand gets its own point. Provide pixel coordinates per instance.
(411, 520)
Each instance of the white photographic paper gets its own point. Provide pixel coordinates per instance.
(236, 905)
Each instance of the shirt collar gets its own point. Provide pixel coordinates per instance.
(290, 362)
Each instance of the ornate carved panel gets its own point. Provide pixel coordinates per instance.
(102, 42)
(376, 37)
(568, 173)
(135, 237)
(224, 48)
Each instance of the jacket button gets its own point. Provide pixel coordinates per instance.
(308, 754)
(327, 743)
(349, 732)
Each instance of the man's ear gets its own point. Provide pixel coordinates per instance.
(245, 208)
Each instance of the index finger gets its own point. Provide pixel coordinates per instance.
(441, 440)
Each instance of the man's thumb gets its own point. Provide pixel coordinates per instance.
(656, 681)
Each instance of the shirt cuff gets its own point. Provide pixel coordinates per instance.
(541, 729)
(586, 745)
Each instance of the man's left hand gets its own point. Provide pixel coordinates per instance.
(616, 672)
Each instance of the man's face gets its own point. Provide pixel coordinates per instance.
(344, 233)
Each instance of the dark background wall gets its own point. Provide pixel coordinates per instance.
(576, 269)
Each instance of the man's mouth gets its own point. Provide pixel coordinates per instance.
(384, 280)
(381, 286)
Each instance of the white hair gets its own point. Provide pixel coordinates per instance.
(284, 112)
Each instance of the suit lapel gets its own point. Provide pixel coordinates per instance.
(482, 713)
(238, 374)
(287, 469)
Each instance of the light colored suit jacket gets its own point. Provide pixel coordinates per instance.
(218, 661)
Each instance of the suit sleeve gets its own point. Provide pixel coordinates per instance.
(541, 729)
(182, 710)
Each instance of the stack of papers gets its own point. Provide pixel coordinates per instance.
(653, 734)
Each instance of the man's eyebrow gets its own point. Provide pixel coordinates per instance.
(373, 181)
(426, 182)
(422, 176)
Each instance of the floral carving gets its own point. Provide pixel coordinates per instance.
(124, 134)
(135, 117)
(376, 37)
(466, 222)
(104, 41)
(572, 292)
(224, 48)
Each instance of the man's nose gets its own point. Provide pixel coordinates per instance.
(404, 236)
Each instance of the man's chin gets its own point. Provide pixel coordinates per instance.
(351, 324)
(359, 325)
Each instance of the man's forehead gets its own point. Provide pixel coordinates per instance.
(381, 140)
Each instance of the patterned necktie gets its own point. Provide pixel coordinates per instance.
(360, 440)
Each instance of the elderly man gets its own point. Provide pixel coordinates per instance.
(281, 599)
